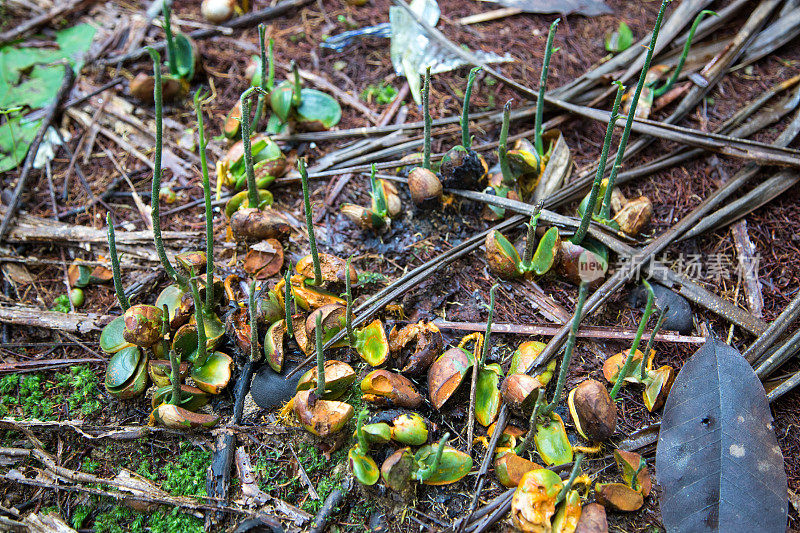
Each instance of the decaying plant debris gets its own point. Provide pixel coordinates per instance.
(255, 286)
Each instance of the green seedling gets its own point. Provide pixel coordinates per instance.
(112, 250)
(288, 300)
(423, 184)
(312, 240)
(461, 166)
(363, 467)
(605, 210)
(626, 367)
(378, 216)
(679, 67)
(156, 186)
(484, 392)
(308, 109)
(320, 416)
(209, 303)
(348, 316)
(539, 258)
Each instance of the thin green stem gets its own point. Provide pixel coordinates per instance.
(202, 353)
(208, 210)
(576, 468)
(155, 213)
(502, 148)
(569, 347)
(112, 249)
(297, 97)
(172, 53)
(425, 473)
(320, 358)
(351, 336)
(466, 139)
(662, 315)
(626, 367)
(363, 446)
(531, 236)
(377, 193)
(601, 169)
(526, 443)
(270, 66)
(426, 111)
(174, 360)
(287, 300)
(252, 190)
(623, 142)
(312, 240)
(548, 52)
(488, 333)
(262, 81)
(253, 323)
(677, 72)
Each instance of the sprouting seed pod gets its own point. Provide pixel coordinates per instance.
(253, 224)
(447, 373)
(453, 464)
(534, 501)
(657, 387)
(631, 466)
(331, 267)
(410, 429)
(126, 374)
(160, 371)
(387, 388)
(338, 378)
(321, 417)
(215, 374)
(143, 85)
(510, 468)
(191, 398)
(552, 442)
(568, 513)
(191, 262)
(241, 200)
(364, 218)
(397, 469)
(618, 497)
(593, 411)
(503, 258)
(233, 121)
(635, 215)
(363, 467)
(425, 188)
(143, 325)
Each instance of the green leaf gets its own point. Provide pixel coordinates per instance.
(620, 40)
(15, 138)
(36, 91)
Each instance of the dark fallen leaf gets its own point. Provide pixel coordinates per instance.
(718, 460)
(589, 8)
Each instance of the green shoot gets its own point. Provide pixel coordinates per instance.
(351, 336)
(112, 248)
(208, 210)
(605, 211)
(378, 196)
(312, 240)
(171, 50)
(649, 348)
(580, 234)
(531, 236)
(174, 360)
(287, 301)
(363, 446)
(155, 214)
(626, 367)
(426, 150)
(262, 81)
(466, 139)
(202, 353)
(525, 445)
(297, 96)
(252, 190)
(569, 347)
(677, 72)
(576, 468)
(320, 358)
(426, 472)
(253, 323)
(488, 333)
(502, 147)
(548, 52)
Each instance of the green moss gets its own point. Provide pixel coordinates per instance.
(34, 396)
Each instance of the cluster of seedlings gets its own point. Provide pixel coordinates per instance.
(175, 342)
